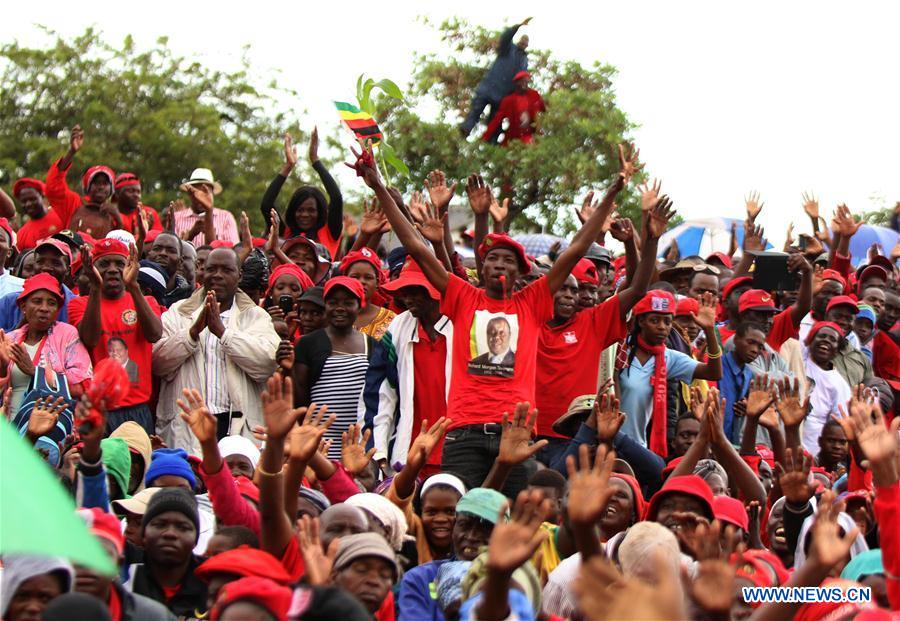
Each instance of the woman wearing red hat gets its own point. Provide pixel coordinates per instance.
(365, 266)
(287, 281)
(42, 341)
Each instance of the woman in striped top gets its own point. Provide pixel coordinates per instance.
(330, 364)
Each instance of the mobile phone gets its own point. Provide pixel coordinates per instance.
(286, 303)
(802, 243)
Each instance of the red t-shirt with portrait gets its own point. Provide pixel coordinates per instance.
(568, 359)
(494, 349)
(122, 339)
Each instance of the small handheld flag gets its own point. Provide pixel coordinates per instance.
(362, 124)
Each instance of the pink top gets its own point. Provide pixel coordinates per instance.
(62, 350)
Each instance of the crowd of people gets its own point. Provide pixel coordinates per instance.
(305, 424)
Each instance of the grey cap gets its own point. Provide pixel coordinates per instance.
(598, 253)
(362, 545)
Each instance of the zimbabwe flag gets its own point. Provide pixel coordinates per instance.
(362, 124)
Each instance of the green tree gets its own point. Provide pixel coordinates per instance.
(149, 112)
(575, 152)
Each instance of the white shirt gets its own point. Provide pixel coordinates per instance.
(217, 398)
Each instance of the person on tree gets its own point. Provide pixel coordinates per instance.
(498, 81)
(128, 202)
(520, 109)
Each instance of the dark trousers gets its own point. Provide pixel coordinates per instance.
(470, 452)
(140, 414)
(479, 103)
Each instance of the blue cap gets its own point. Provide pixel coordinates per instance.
(172, 462)
(866, 312)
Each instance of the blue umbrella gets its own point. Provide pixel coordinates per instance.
(538, 244)
(703, 237)
(867, 235)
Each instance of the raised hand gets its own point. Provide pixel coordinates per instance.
(197, 415)
(132, 269)
(431, 226)
(314, 145)
(698, 402)
(754, 238)
(628, 162)
(796, 262)
(76, 139)
(589, 490)
(515, 438)
(514, 542)
(87, 263)
(364, 165)
(588, 207)
(480, 195)
(789, 237)
(44, 416)
(290, 154)
(279, 415)
(753, 205)
(354, 455)
(373, 219)
(306, 439)
(793, 476)
(622, 229)
(878, 443)
(813, 245)
(499, 211)
(712, 588)
(22, 359)
(828, 546)
(318, 563)
(656, 220)
(424, 444)
(788, 404)
(438, 192)
(844, 222)
(214, 315)
(705, 317)
(760, 396)
(351, 228)
(650, 194)
(608, 417)
(811, 205)
(417, 207)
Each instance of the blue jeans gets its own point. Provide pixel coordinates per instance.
(470, 452)
(479, 103)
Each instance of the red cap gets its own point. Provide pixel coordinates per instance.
(259, 242)
(289, 269)
(411, 276)
(151, 237)
(365, 255)
(220, 243)
(275, 598)
(92, 172)
(836, 276)
(244, 561)
(501, 240)
(655, 301)
(689, 485)
(60, 245)
(731, 511)
(350, 284)
(109, 246)
(874, 271)
(247, 488)
(818, 326)
(128, 179)
(521, 75)
(841, 300)
(4, 224)
(732, 284)
(723, 258)
(43, 281)
(670, 467)
(767, 559)
(687, 307)
(28, 182)
(586, 272)
(104, 525)
(756, 300)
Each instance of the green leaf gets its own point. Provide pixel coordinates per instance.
(359, 87)
(390, 89)
(391, 158)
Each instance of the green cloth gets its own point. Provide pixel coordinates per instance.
(117, 461)
(37, 516)
(868, 563)
(482, 502)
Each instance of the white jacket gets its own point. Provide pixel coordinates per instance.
(249, 342)
(402, 334)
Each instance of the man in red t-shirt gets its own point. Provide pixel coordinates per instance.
(495, 330)
(570, 344)
(128, 200)
(520, 108)
(116, 321)
(42, 222)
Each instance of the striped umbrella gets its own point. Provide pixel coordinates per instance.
(703, 237)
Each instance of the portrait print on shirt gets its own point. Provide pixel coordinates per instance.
(118, 351)
(494, 340)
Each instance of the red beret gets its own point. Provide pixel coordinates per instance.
(822, 324)
(501, 240)
(835, 276)
(734, 283)
(244, 561)
(28, 182)
(731, 511)
(365, 255)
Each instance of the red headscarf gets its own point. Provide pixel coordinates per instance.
(661, 302)
(275, 598)
(244, 561)
(288, 269)
(640, 504)
(818, 326)
(28, 182)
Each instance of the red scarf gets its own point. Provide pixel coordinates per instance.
(658, 441)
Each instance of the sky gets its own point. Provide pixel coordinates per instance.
(779, 97)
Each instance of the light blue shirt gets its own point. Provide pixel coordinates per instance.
(10, 283)
(637, 391)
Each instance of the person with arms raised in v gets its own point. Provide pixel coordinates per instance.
(480, 392)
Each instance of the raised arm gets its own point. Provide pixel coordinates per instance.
(7, 207)
(798, 263)
(628, 166)
(335, 219)
(149, 321)
(706, 319)
(655, 222)
(268, 200)
(414, 244)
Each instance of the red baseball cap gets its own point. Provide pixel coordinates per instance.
(109, 246)
(689, 485)
(521, 75)
(366, 255)
(411, 276)
(721, 257)
(687, 306)
(735, 283)
(874, 271)
(92, 172)
(835, 276)
(350, 284)
(28, 182)
(731, 511)
(501, 240)
(842, 300)
(656, 301)
(61, 246)
(586, 272)
(105, 526)
(756, 300)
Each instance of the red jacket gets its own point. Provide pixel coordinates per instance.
(63, 200)
(887, 514)
(521, 109)
(229, 506)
